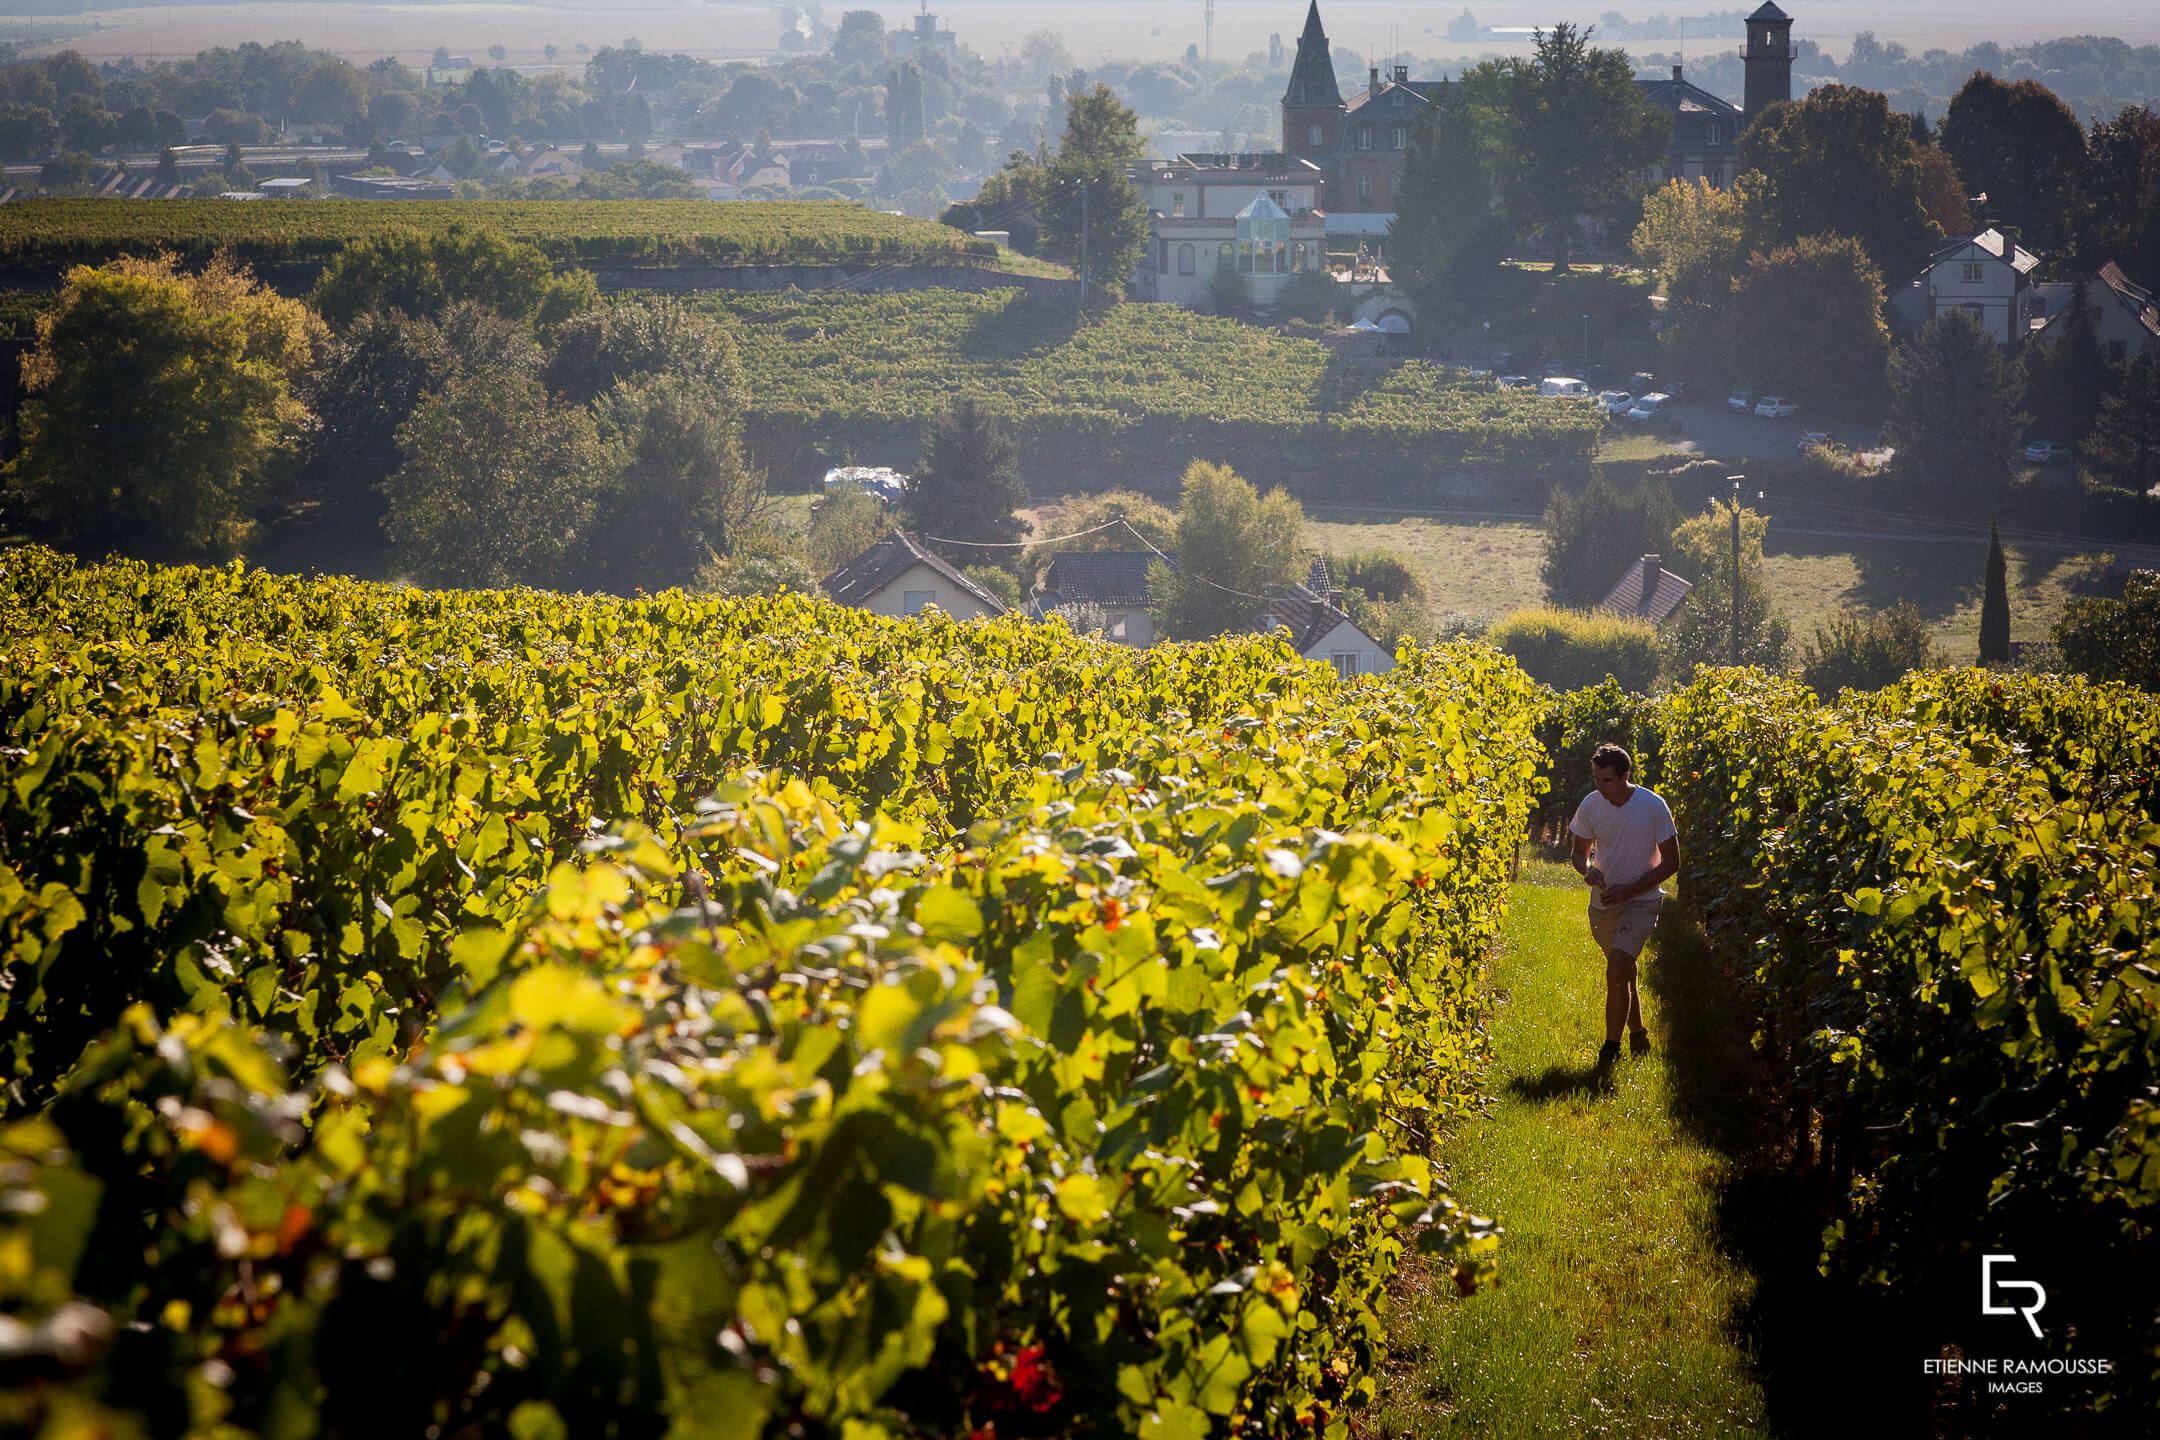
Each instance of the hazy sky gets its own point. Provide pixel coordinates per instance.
(1093, 30)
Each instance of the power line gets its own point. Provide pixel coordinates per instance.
(1095, 530)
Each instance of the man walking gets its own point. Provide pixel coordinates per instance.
(1625, 846)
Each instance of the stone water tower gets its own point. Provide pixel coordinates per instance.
(1767, 59)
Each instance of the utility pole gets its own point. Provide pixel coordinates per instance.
(1736, 479)
(1084, 187)
(1586, 348)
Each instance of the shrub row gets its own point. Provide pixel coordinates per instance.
(537, 1014)
(1947, 891)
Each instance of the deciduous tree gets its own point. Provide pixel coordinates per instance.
(1837, 162)
(1593, 537)
(1690, 235)
(2021, 146)
(1235, 546)
(674, 490)
(1806, 319)
(1700, 633)
(157, 399)
(497, 485)
(419, 275)
(1094, 160)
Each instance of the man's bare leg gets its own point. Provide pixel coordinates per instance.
(1623, 1001)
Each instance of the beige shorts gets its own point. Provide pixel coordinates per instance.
(1624, 927)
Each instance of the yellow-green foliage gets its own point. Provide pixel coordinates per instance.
(1573, 649)
(727, 1018)
(811, 232)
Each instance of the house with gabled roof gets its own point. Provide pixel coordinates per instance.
(2126, 320)
(1988, 276)
(1113, 581)
(1319, 629)
(1706, 128)
(1647, 591)
(898, 576)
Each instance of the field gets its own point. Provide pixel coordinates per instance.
(1146, 386)
(1489, 567)
(50, 234)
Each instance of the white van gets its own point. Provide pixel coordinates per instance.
(1562, 385)
(1649, 407)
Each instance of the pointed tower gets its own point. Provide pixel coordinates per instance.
(1767, 59)
(1312, 108)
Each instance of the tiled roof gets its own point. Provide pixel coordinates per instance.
(2132, 294)
(1308, 617)
(1654, 601)
(1102, 577)
(889, 559)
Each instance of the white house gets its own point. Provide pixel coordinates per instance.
(1114, 581)
(1320, 630)
(1255, 217)
(896, 576)
(2126, 321)
(1988, 275)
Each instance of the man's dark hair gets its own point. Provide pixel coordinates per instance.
(1612, 757)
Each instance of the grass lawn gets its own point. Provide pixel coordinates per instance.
(1812, 578)
(1469, 567)
(1615, 1312)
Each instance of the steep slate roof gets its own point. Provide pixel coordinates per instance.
(889, 559)
(1307, 616)
(1678, 96)
(1312, 77)
(1111, 578)
(1769, 11)
(2135, 297)
(1637, 593)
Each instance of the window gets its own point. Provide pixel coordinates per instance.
(1712, 135)
(1972, 272)
(1345, 663)
(1401, 137)
(1184, 260)
(1315, 136)
(913, 601)
(1177, 204)
(1364, 137)
(1297, 257)
(1280, 197)
(1225, 257)
(1364, 189)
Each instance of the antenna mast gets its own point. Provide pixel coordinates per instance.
(1209, 52)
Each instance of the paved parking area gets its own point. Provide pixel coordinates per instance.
(1708, 426)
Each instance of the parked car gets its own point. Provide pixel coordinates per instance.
(1741, 400)
(1775, 407)
(1614, 402)
(1677, 389)
(1815, 440)
(1654, 406)
(2048, 452)
(1566, 386)
(1642, 382)
(1513, 382)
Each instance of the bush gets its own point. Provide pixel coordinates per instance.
(998, 581)
(1573, 726)
(1572, 649)
(1868, 652)
(1592, 538)
(2116, 639)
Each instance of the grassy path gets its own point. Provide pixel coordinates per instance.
(1619, 1308)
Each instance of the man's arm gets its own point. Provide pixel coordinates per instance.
(1581, 858)
(1668, 865)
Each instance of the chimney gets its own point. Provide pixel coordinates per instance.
(1650, 567)
(1372, 80)
(1676, 74)
(2010, 240)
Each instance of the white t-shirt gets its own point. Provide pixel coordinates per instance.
(1624, 839)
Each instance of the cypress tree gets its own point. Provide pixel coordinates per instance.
(1995, 607)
